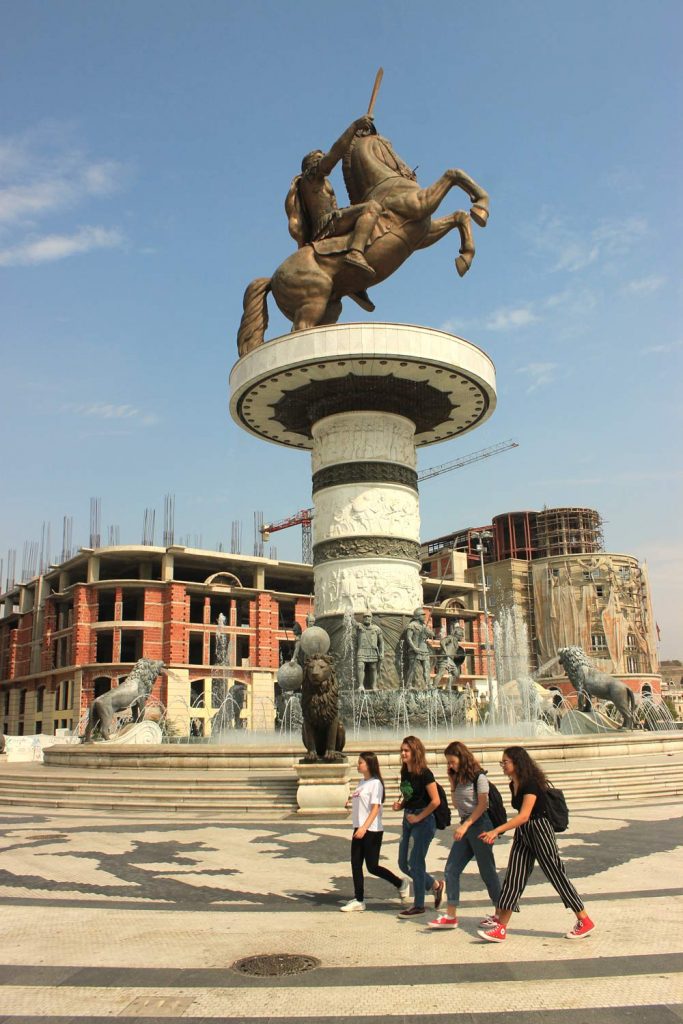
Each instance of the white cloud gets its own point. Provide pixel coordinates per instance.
(571, 249)
(645, 285)
(671, 346)
(539, 374)
(511, 318)
(58, 247)
(111, 411)
(43, 174)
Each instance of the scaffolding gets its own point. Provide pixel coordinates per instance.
(568, 531)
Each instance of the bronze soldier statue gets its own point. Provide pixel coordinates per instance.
(312, 209)
(369, 652)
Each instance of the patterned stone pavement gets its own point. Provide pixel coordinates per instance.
(106, 918)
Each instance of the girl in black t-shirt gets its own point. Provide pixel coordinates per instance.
(534, 840)
(419, 800)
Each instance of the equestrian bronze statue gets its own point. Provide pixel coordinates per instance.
(343, 251)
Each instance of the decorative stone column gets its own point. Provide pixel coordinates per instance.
(362, 398)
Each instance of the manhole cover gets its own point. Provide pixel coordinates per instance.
(274, 965)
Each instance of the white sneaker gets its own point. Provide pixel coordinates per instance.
(351, 906)
(404, 890)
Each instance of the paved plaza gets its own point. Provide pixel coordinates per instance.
(112, 918)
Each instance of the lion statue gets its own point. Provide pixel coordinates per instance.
(589, 682)
(132, 693)
(322, 731)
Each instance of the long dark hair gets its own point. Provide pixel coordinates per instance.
(469, 767)
(526, 768)
(372, 761)
(418, 762)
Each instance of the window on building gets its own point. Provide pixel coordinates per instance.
(586, 574)
(22, 702)
(285, 614)
(131, 644)
(106, 601)
(219, 605)
(101, 685)
(243, 607)
(132, 606)
(197, 693)
(196, 727)
(599, 590)
(554, 574)
(195, 649)
(242, 655)
(196, 609)
(285, 651)
(624, 572)
(631, 663)
(598, 642)
(7, 697)
(647, 691)
(40, 698)
(20, 729)
(38, 728)
(631, 641)
(104, 647)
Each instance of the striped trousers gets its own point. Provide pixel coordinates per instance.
(535, 841)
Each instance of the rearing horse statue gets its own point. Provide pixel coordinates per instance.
(309, 285)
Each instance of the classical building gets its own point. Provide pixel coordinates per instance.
(72, 633)
(552, 566)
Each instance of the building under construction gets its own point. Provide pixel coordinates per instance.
(553, 567)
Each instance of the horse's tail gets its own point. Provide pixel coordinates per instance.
(631, 698)
(255, 316)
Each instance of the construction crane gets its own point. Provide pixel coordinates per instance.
(304, 518)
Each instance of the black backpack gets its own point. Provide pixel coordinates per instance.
(442, 814)
(556, 809)
(496, 812)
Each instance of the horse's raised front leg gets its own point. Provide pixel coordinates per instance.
(425, 201)
(440, 228)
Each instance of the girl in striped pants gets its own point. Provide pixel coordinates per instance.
(534, 840)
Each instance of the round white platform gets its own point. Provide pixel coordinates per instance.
(444, 384)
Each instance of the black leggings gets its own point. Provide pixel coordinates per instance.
(367, 849)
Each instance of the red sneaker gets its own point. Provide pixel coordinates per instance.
(443, 922)
(497, 933)
(488, 922)
(583, 926)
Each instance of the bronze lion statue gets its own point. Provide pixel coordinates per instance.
(589, 682)
(132, 693)
(322, 732)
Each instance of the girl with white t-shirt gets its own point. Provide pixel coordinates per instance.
(366, 843)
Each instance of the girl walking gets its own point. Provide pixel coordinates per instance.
(469, 791)
(366, 810)
(534, 840)
(419, 799)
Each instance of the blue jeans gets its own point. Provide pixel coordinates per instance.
(462, 852)
(412, 855)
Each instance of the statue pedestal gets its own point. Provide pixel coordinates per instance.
(323, 789)
(135, 733)
(362, 398)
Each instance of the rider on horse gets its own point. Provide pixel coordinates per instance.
(312, 209)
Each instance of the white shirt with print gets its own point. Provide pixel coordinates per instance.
(367, 793)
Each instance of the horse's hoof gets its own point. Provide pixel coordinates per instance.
(480, 215)
(463, 264)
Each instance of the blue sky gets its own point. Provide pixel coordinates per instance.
(145, 152)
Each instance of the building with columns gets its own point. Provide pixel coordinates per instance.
(72, 633)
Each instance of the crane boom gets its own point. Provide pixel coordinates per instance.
(483, 453)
